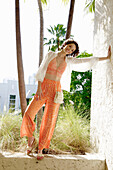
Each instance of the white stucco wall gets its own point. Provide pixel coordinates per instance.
(102, 83)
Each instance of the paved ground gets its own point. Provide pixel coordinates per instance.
(20, 161)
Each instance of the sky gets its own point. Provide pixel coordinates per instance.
(54, 13)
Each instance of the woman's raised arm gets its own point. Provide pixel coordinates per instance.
(74, 60)
(87, 63)
(108, 56)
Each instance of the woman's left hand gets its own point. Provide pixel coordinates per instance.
(109, 53)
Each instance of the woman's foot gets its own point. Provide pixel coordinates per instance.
(40, 156)
(31, 144)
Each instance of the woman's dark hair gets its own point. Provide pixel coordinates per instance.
(71, 41)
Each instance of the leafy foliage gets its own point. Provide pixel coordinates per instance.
(90, 6)
(80, 90)
(58, 36)
(65, 1)
(44, 1)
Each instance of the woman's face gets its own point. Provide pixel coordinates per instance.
(69, 48)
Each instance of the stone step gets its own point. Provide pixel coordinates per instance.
(20, 161)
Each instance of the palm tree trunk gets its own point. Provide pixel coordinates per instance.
(70, 19)
(21, 82)
(41, 32)
(39, 115)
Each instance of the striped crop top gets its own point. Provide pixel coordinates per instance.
(54, 70)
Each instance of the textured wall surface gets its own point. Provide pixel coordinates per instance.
(102, 83)
(19, 161)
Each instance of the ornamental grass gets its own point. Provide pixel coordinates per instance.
(71, 133)
(10, 133)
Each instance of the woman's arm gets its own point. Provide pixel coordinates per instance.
(85, 64)
(108, 56)
(74, 60)
(39, 91)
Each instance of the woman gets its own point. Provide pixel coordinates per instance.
(54, 66)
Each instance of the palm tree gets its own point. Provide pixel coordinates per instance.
(70, 19)
(58, 36)
(90, 6)
(39, 115)
(21, 82)
(41, 29)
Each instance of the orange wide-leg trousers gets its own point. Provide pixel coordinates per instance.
(49, 117)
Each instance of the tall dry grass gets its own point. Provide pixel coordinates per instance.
(71, 133)
(10, 133)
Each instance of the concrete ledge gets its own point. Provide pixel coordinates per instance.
(20, 161)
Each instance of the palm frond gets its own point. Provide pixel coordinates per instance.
(52, 30)
(65, 2)
(90, 6)
(44, 1)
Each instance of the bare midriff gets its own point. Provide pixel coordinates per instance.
(55, 72)
(52, 77)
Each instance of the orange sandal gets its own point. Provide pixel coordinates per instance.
(30, 148)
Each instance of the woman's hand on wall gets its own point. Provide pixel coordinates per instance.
(108, 56)
(109, 53)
